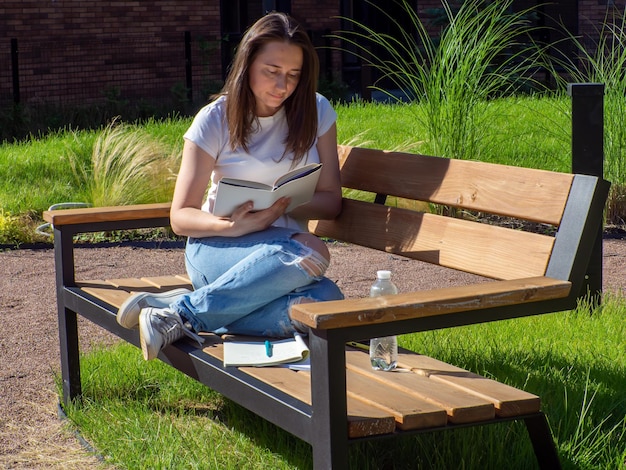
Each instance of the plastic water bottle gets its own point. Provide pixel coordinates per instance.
(383, 351)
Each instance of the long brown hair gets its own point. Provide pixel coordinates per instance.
(300, 107)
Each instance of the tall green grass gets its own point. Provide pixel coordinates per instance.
(126, 165)
(37, 173)
(147, 415)
(527, 131)
(604, 61)
(484, 51)
(120, 164)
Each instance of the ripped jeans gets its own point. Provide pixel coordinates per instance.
(245, 285)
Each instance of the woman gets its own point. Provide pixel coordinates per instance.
(247, 269)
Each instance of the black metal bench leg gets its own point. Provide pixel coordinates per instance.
(328, 393)
(70, 359)
(68, 321)
(543, 444)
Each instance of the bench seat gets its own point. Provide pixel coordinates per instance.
(427, 393)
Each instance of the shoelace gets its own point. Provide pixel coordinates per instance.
(172, 329)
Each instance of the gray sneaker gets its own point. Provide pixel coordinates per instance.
(160, 327)
(128, 314)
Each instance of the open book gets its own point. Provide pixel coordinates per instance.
(260, 352)
(298, 184)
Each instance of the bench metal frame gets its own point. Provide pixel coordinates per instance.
(323, 424)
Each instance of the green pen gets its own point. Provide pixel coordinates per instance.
(268, 348)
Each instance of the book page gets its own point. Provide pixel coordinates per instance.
(246, 183)
(297, 173)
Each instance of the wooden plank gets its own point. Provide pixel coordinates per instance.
(410, 412)
(526, 193)
(508, 401)
(163, 283)
(116, 291)
(482, 249)
(102, 214)
(363, 419)
(461, 407)
(403, 306)
(152, 283)
(105, 291)
(133, 284)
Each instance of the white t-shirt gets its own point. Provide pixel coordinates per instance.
(209, 131)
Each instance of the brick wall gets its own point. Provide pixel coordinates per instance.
(320, 16)
(593, 14)
(75, 51)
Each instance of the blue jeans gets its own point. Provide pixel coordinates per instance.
(245, 285)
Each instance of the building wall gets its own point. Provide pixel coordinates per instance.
(320, 18)
(593, 13)
(76, 51)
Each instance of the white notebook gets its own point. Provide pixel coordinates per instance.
(262, 352)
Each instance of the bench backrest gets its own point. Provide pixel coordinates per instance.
(463, 243)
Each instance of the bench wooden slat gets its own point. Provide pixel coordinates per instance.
(363, 419)
(525, 193)
(167, 282)
(410, 412)
(482, 249)
(461, 407)
(100, 214)
(116, 291)
(104, 291)
(508, 401)
(133, 284)
(403, 306)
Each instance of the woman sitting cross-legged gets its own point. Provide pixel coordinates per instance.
(249, 268)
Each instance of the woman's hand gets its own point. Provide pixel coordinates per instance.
(246, 220)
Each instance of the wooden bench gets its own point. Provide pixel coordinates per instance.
(341, 400)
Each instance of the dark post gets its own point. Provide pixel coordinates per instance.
(366, 78)
(276, 5)
(588, 158)
(16, 71)
(188, 70)
(328, 55)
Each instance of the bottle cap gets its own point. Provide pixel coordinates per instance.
(383, 274)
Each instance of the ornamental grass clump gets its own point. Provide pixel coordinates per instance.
(604, 61)
(126, 166)
(484, 51)
(17, 229)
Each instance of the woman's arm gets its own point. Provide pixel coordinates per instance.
(326, 203)
(186, 214)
